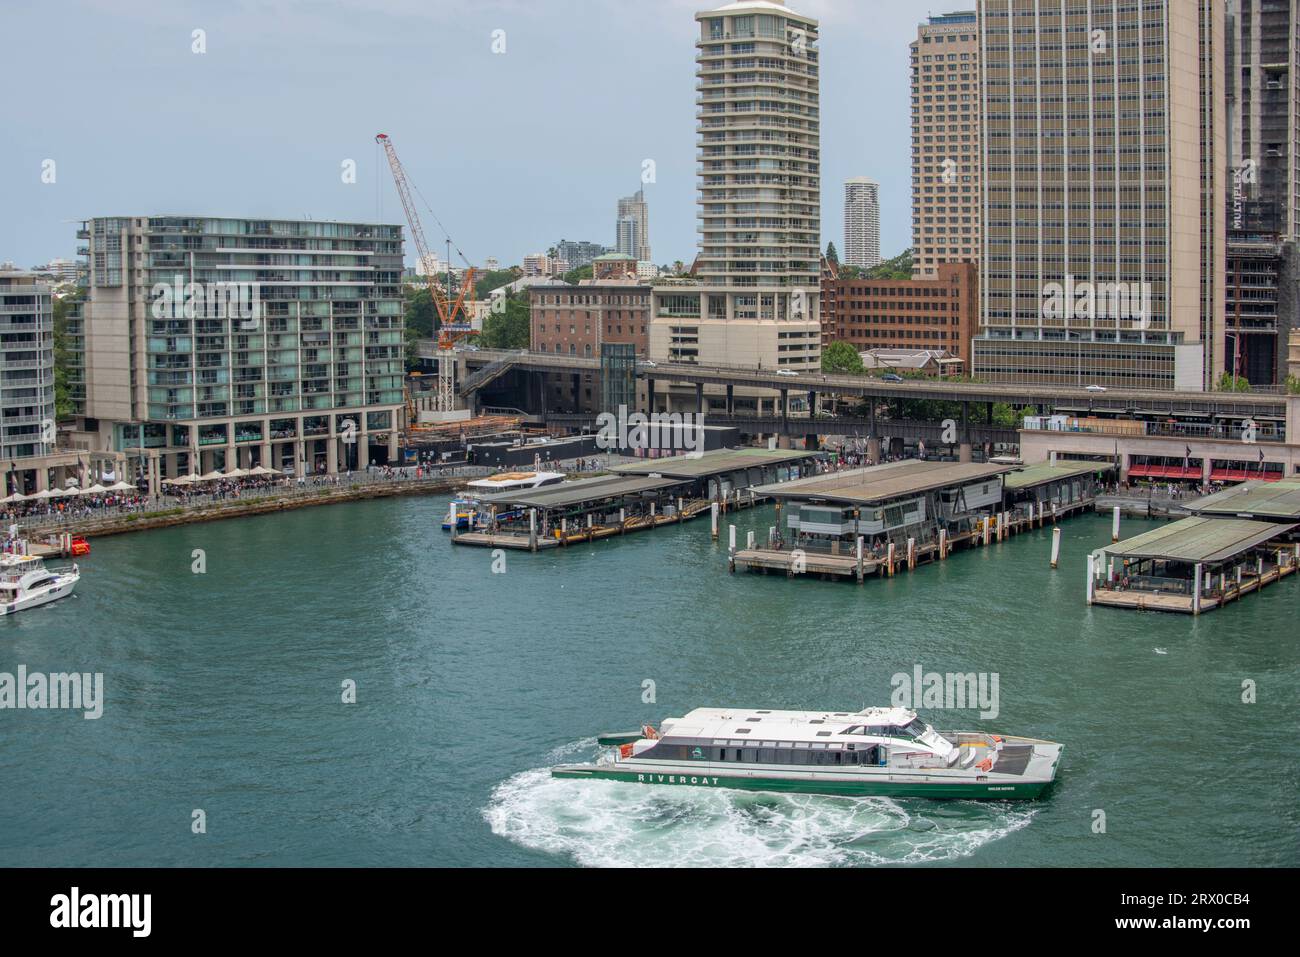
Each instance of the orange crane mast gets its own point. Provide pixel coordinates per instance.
(453, 323)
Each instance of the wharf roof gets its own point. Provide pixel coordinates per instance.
(1192, 540)
(576, 493)
(717, 462)
(1034, 475)
(880, 483)
(1276, 500)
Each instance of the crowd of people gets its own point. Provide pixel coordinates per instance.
(75, 508)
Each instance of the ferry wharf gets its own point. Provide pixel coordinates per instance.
(883, 519)
(634, 497)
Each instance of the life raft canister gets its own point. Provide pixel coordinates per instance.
(625, 750)
(985, 765)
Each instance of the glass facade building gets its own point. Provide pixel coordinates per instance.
(208, 334)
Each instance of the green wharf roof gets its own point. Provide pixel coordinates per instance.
(1199, 540)
(581, 492)
(717, 462)
(1043, 473)
(881, 483)
(1275, 500)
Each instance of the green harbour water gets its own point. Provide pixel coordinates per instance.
(223, 692)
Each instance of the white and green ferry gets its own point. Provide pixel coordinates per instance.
(878, 751)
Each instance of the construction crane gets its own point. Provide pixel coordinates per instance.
(453, 323)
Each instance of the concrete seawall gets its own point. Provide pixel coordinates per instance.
(239, 508)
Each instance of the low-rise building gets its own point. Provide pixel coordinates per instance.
(912, 314)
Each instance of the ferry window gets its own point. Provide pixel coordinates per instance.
(767, 755)
(914, 729)
(751, 754)
(722, 754)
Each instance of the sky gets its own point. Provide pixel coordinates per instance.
(512, 150)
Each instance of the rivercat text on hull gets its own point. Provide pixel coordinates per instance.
(877, 751)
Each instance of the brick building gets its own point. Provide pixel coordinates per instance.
(575, 320)
(939, 313)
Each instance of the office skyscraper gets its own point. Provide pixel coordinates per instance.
(1104, 164)
(945, 143)
(632, 227)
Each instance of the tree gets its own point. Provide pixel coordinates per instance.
(900, 267)
(484, 283)
(851, 272)
(421, 317)
(508, 328)
(63, 353)
(1232, 383)
(574, 276)
(831, 254)
(1293, 385)
(840, 358)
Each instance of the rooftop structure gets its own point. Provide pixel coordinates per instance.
(1194, 565)
(880, 483)
(1275, 501)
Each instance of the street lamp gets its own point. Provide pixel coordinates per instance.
(1236, 355)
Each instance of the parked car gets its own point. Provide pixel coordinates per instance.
(892, 377)
(786, 372)
(1096, 388)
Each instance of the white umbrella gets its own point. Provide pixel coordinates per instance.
(237, 473)
(95, 489)
(122, 487)
(263, 470)
(63, 492)
(212, 476)
(183, 480)
(42, 494)
(15, 497)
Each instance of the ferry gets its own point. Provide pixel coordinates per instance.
(25, 582)
(886, 752)
(461, 507)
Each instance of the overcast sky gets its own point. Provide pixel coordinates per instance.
(512, 151)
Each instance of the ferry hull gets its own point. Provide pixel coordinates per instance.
(876, 786)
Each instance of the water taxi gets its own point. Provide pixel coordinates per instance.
(875, 752)
(464, 505)
(25, 582)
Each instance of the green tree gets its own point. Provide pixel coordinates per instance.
(1293, 385)
(484, 283)
(421, 316)
(831, 254)
(574, 276)
(509, 327)
(851, 272)
(900, 267)
(1232, 383)
(841, 358)
(63, 353)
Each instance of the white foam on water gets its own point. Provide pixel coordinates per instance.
(612, 824)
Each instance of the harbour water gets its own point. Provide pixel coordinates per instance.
(224, 693)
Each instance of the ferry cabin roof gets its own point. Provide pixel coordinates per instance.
(738, 726)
